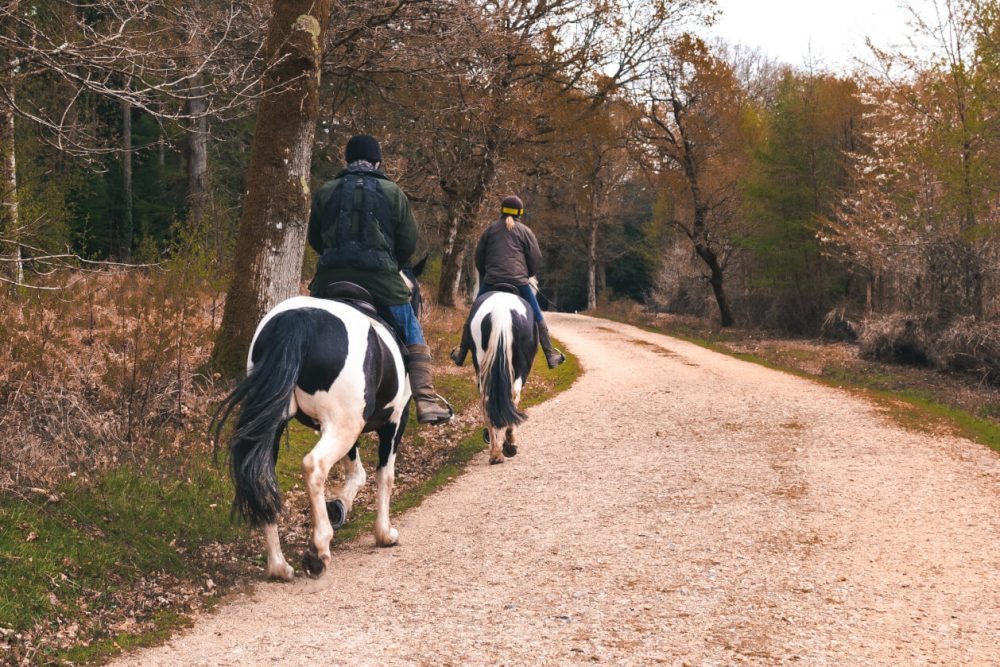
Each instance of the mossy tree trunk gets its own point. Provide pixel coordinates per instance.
(271, 239)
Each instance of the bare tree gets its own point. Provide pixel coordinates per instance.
(691, 135)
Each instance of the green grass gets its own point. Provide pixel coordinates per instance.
(103, 538)
(68, 558)
(166, 623)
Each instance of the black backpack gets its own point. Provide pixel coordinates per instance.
(357, 229)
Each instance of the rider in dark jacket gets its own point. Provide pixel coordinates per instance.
(364, 232)
(508, 253)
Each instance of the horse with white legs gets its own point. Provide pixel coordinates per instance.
(501, 327)
(338, 370)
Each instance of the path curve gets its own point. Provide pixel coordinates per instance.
(676, 506)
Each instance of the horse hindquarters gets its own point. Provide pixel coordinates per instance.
(264, 398)
(499, 386)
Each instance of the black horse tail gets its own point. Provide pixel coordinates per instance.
(264, 397)
(496, 373)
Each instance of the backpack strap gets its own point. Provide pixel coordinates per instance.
(376, 206)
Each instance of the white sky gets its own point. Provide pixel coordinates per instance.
(832, 31)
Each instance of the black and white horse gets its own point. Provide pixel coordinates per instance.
(338, 371)
(504, 342)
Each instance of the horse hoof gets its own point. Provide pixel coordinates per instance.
(390, 540)
(337, 512)
(283, 572)
(493, 461)
(509, 449)
(312, 564)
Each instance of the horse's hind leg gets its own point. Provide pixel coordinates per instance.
(388, 442)
(277, 566)
(336, 440)
(510, 435)
(510, 442)
(354, 479)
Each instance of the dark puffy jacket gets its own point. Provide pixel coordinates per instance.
(507, 255)
(365, 250)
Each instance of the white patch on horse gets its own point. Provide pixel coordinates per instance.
(385, 534)
(504, 299)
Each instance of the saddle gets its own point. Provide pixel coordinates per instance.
(352, 294)
(504, 287)
(360, 299)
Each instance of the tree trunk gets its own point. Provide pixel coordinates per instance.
(128, 232)
(461, 229)
(451, 263)
(196, 154)
(592, 267)
(465, 203)
(715, 280)
(9, 221)
(267, 263)
(9, 224)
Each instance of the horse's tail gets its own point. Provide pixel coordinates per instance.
(264, 397)
(496, 373)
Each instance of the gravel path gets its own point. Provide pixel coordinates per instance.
(674, 507)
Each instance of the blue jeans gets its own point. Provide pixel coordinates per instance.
(526, 293)
(406, 321)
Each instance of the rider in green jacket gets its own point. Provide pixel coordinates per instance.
(364, 232)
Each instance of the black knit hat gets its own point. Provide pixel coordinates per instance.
(363, 147)
(512, 205)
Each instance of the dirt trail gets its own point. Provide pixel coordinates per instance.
(674, 507)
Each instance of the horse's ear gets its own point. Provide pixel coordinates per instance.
(419, 267)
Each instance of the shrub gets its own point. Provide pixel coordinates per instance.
(897, 338)
(970, 346)
(101, 372)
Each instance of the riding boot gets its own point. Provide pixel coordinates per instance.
(552, 356)
(459, 353)
(418, 366)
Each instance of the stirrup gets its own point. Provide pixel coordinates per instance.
(440, 420)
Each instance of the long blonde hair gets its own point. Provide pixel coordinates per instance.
(509, 221)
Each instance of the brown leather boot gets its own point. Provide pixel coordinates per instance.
(552, 356)
(426, 400)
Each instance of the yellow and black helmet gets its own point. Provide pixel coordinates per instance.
(512, 205)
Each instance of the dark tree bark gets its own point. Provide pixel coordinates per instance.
(271, 238)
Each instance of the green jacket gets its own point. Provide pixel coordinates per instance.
(386, 285)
